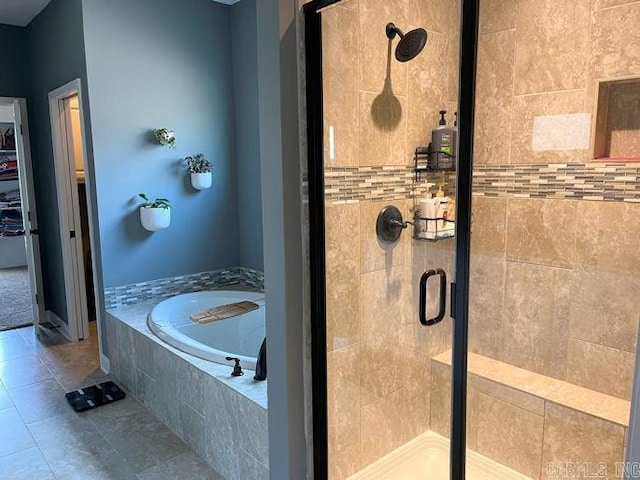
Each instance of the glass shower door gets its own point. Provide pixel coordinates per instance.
(555, 269)
(388, 372)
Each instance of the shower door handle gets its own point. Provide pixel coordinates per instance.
(423, 297)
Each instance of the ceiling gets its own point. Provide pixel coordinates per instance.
(21, 12)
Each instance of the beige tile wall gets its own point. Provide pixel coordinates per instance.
(555, 283)
(380, 110)
(379, 355)
(532, 423)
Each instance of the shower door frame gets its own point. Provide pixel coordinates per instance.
(317, 253)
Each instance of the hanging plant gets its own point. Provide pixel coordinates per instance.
(198, 164)
(200, 169)
(157, 203)
(155, 215)
(165, 137)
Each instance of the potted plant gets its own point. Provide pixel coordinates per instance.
(200, 169)
(165, 137)
(154, 215)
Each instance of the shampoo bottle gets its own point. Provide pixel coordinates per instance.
(442, 144)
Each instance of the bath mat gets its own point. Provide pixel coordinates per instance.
(94, 396)
(224, 311)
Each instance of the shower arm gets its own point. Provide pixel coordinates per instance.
(392, 31)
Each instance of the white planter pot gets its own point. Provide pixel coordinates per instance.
(154, 219)
(200, 181)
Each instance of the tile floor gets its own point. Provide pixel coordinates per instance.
(41, 437)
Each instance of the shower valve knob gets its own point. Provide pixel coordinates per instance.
(390, 224)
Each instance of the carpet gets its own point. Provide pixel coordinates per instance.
(16, 309)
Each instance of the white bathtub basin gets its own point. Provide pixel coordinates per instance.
(238, 337)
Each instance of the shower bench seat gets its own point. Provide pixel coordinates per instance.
(530, 422)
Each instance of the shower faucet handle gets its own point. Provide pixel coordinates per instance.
(237, 369)
(399, 223)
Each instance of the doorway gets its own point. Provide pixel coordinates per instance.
(498, 349)
(20, 275)
(73, 180)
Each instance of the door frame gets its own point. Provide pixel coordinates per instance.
(68, 203)
(469, 23)
(317, 246)
(317, 253)
(28, 200)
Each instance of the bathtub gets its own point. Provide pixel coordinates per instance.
(239, 337)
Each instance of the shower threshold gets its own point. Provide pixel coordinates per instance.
(429, 454)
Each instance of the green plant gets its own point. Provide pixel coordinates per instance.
(157, 203)
(165, 137)
(198, 164)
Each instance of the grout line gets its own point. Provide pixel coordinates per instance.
(550, 92)
(544, 422)
(615, 6)
(501, 30)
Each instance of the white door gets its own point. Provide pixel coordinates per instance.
(29, 214)
(69, 212)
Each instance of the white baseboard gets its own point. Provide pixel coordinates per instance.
(105, 365)
(63, 328)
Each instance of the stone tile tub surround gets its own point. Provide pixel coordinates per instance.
(222, 418)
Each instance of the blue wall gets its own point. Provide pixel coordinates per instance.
(57, 57)
(15, 80)
(155, 65)
(244, 28)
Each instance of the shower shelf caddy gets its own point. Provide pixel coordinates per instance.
(438, 235)
(423, 165)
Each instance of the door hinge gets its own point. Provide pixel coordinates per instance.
(21, 132)
(453, 300)
(72, 233)
(29, 215)
(37, 300)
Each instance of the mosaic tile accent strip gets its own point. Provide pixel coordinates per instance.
(616, 182)
(372, 184)
(582, 181)
(168, 287)
(253, 279)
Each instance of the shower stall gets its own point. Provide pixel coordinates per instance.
(486, 327)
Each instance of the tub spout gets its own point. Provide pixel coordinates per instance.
(261, 363)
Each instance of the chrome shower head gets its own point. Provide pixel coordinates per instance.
(411, 43)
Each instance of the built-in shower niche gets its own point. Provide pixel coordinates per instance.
(617, 130)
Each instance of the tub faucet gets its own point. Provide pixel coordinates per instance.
(237, 369)
(261, 362)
